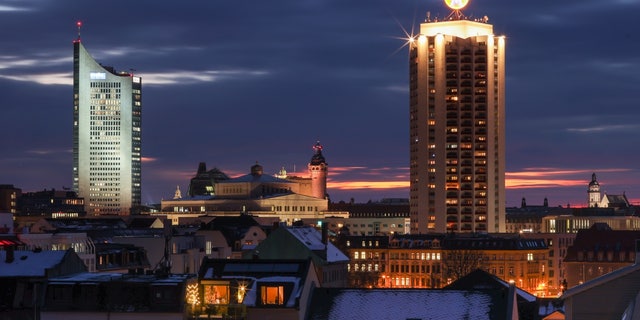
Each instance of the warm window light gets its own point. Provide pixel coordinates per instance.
(241, 292)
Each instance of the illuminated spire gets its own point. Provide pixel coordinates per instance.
(177, 194)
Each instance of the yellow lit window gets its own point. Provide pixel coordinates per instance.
(272, 295)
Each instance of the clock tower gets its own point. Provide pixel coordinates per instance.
(594, 192)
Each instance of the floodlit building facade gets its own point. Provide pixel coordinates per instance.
(107, 107)
(457, 127)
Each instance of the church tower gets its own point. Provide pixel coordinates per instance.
(594, 192)
(318, 172)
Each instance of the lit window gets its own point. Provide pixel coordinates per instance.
(272, 295)
(216, 294)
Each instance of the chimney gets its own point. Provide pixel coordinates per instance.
(10, 254)
(325, 233)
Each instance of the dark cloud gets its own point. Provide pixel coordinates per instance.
(235, 82)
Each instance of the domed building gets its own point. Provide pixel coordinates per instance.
(288, 198)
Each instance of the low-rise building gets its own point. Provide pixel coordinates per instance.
(597, 251)
(256, 289)
(558, 244)
(614, 295)
(435, 260)
(51, 203)
(9, 195)
(387, 217)
(81, 244)
(119, 296)
(24, 275)
(575, 223)
(305, 243)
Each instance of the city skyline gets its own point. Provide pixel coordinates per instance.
(230, 84)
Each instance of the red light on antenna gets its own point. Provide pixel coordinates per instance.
(79, 23)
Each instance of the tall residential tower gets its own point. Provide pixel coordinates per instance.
(107, 108)
(457, 126)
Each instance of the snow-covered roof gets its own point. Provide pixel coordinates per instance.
(312, 238)
(97, 277)
(355, 304)
(29, 263)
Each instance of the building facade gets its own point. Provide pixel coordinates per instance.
(433, 261)
(558, 244)
(107, 142)
(457, 127)
(9, 198)
(597, 251)
(51, 203)
(289, 198)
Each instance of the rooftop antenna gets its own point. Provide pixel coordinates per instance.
(79, 24)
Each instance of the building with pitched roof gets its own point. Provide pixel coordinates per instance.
(24, 274)
(305, 243)
(118, 296)
(597, 251)
(597, 200)
(242, 233)
(614, 295)
(256, 288)
(361, 304)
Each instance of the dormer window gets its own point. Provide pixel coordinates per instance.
(274, 294)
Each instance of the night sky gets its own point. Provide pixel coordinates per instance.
(230, 83)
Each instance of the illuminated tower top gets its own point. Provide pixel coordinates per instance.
(593, 191)
(456, 6)
(318, 171)
(456, 24)
(317, 157)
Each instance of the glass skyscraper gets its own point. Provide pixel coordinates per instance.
(107, 107)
